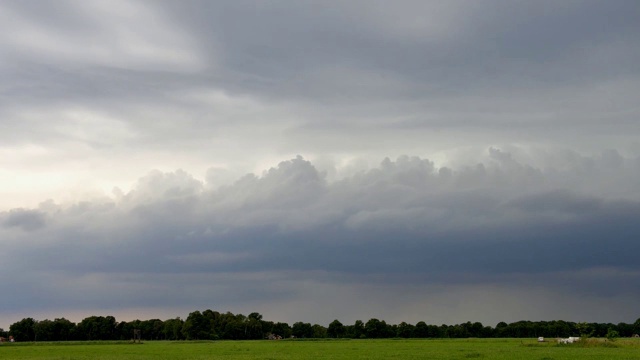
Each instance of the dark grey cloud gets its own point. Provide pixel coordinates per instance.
(406, 223)
(483, 57)
(491, 49)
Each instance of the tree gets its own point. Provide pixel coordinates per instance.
(487, 332)
(253, 326)
(212, 325)
(335, 329)
(282, 329)
(559, 329)
(234, 329)
(267, 327)
(23, 330)
(433, 331)
(405, 330)
(254, 316)
(44, 331)
(228, 326)
(151, 329)
(124, 330)
(421, 330)
(197, 327)
(636, 326)
(172, 329)
(356, 331)
(319, 331)
(374, 328)
(475, 329)
(63, 329)
(97, 328)
(612, 335)
(501, 329)
(584, 330)
(302, 330)
(216, 325)
(625, 330)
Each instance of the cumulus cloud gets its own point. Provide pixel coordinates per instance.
(405, 223)
(142, 85)
(24, 219)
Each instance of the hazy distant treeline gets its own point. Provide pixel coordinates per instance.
(212, 325)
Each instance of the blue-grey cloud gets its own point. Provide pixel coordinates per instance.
(405, 223)
(24, 219)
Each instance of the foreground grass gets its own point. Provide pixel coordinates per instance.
(511, 349)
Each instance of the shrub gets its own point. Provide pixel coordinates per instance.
(612, 335)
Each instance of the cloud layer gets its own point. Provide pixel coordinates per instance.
(406, 225)
(509, 131)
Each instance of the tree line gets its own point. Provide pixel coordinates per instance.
(213, 325)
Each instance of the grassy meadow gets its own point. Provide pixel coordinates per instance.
(511, 349)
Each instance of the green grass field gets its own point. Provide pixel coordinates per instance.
(511, 349)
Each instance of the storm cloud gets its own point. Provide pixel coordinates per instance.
(446, 161)
(406, 224)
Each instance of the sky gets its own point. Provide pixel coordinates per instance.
(437, 161)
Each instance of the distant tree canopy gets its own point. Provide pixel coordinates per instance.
(213, 325)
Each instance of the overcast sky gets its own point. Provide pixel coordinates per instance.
(443, 161)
